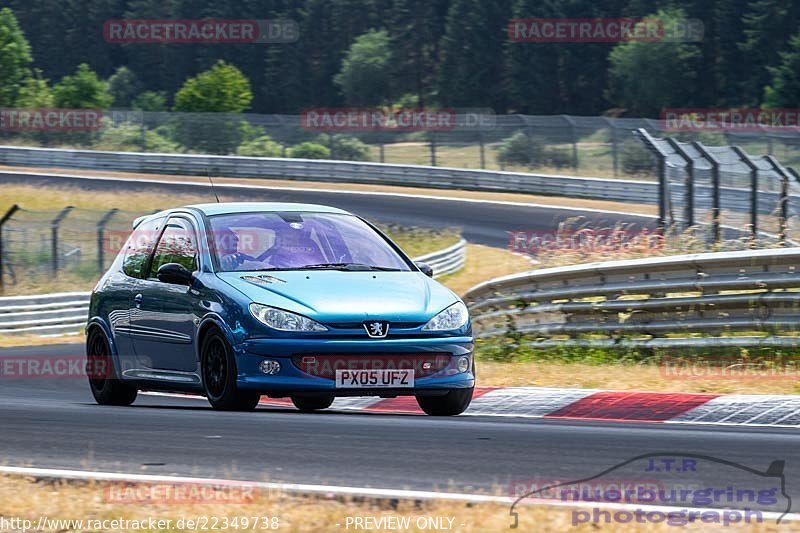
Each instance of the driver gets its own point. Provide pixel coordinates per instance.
(293, 248)
(227, 243)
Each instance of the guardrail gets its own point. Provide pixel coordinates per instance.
(448, 260)
(334, 171)
(46, 314)
(66, 312)
(737, 299)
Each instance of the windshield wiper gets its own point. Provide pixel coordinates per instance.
(346, 266)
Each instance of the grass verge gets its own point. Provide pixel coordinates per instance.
(25, 498)
(483, 263)
(510, 362)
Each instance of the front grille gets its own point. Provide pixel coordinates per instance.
(325, 366)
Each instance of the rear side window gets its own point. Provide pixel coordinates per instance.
(140, 246)
(177, 245)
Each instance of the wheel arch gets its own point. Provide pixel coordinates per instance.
(208, 323)
(97, 323)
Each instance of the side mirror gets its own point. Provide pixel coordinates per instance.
(174, 273)
(424, 267)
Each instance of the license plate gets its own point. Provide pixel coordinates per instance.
(383, 378)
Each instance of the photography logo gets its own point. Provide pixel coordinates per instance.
(674, 489)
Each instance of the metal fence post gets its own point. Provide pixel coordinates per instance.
(10, 213)
(482, 149)
(649, 142)
(688, 183)
(101, 226)
(614, 149)
(794, 174)
(54, 235)
(753, 188)
(574, 138)
(783, 216)
(715, 190)
(433, 148)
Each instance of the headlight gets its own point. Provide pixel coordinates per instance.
(453, 317)
(284, 320)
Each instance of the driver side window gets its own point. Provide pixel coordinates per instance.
(177, 245)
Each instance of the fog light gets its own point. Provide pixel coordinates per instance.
(267, 366)
(463, 364)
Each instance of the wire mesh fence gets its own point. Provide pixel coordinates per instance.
(597, 146)
(49, 243)
(725, 192)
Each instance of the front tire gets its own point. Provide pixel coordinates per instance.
(106, 388)
(308, 404)
(453, 403)
(219, 376)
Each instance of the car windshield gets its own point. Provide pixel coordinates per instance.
(298, 241)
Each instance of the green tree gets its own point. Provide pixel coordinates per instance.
(35, 93)
(767, 25)
(645, 77)
(414, 30)
(262, 146)
(534, 68)
(471, 72)
(82, 90)
(365, 76)
(221, 89)
(15, 58)
(150, 101)
(124, 86)
(730, 66)
(309, 150)
(785, 88)
(211, 101)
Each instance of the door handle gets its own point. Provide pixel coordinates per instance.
(138, 300)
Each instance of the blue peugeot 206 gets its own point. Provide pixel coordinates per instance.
(240, 300)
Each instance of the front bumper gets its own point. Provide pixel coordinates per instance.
(292, 379)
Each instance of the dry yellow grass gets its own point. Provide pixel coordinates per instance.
(10, 341)
(36, 198)
(622, 376)
(25, 498)
(483, 263)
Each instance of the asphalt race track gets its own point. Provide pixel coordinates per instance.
(481, 222)
(55, 423)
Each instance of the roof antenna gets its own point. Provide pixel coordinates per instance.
(212, 185)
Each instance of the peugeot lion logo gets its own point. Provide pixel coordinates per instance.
(377, 329)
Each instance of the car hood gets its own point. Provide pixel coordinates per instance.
(346, 296)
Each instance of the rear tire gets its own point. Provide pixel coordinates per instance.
(106, 388)
(219, 376)
(453, 403)
(308, 404)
